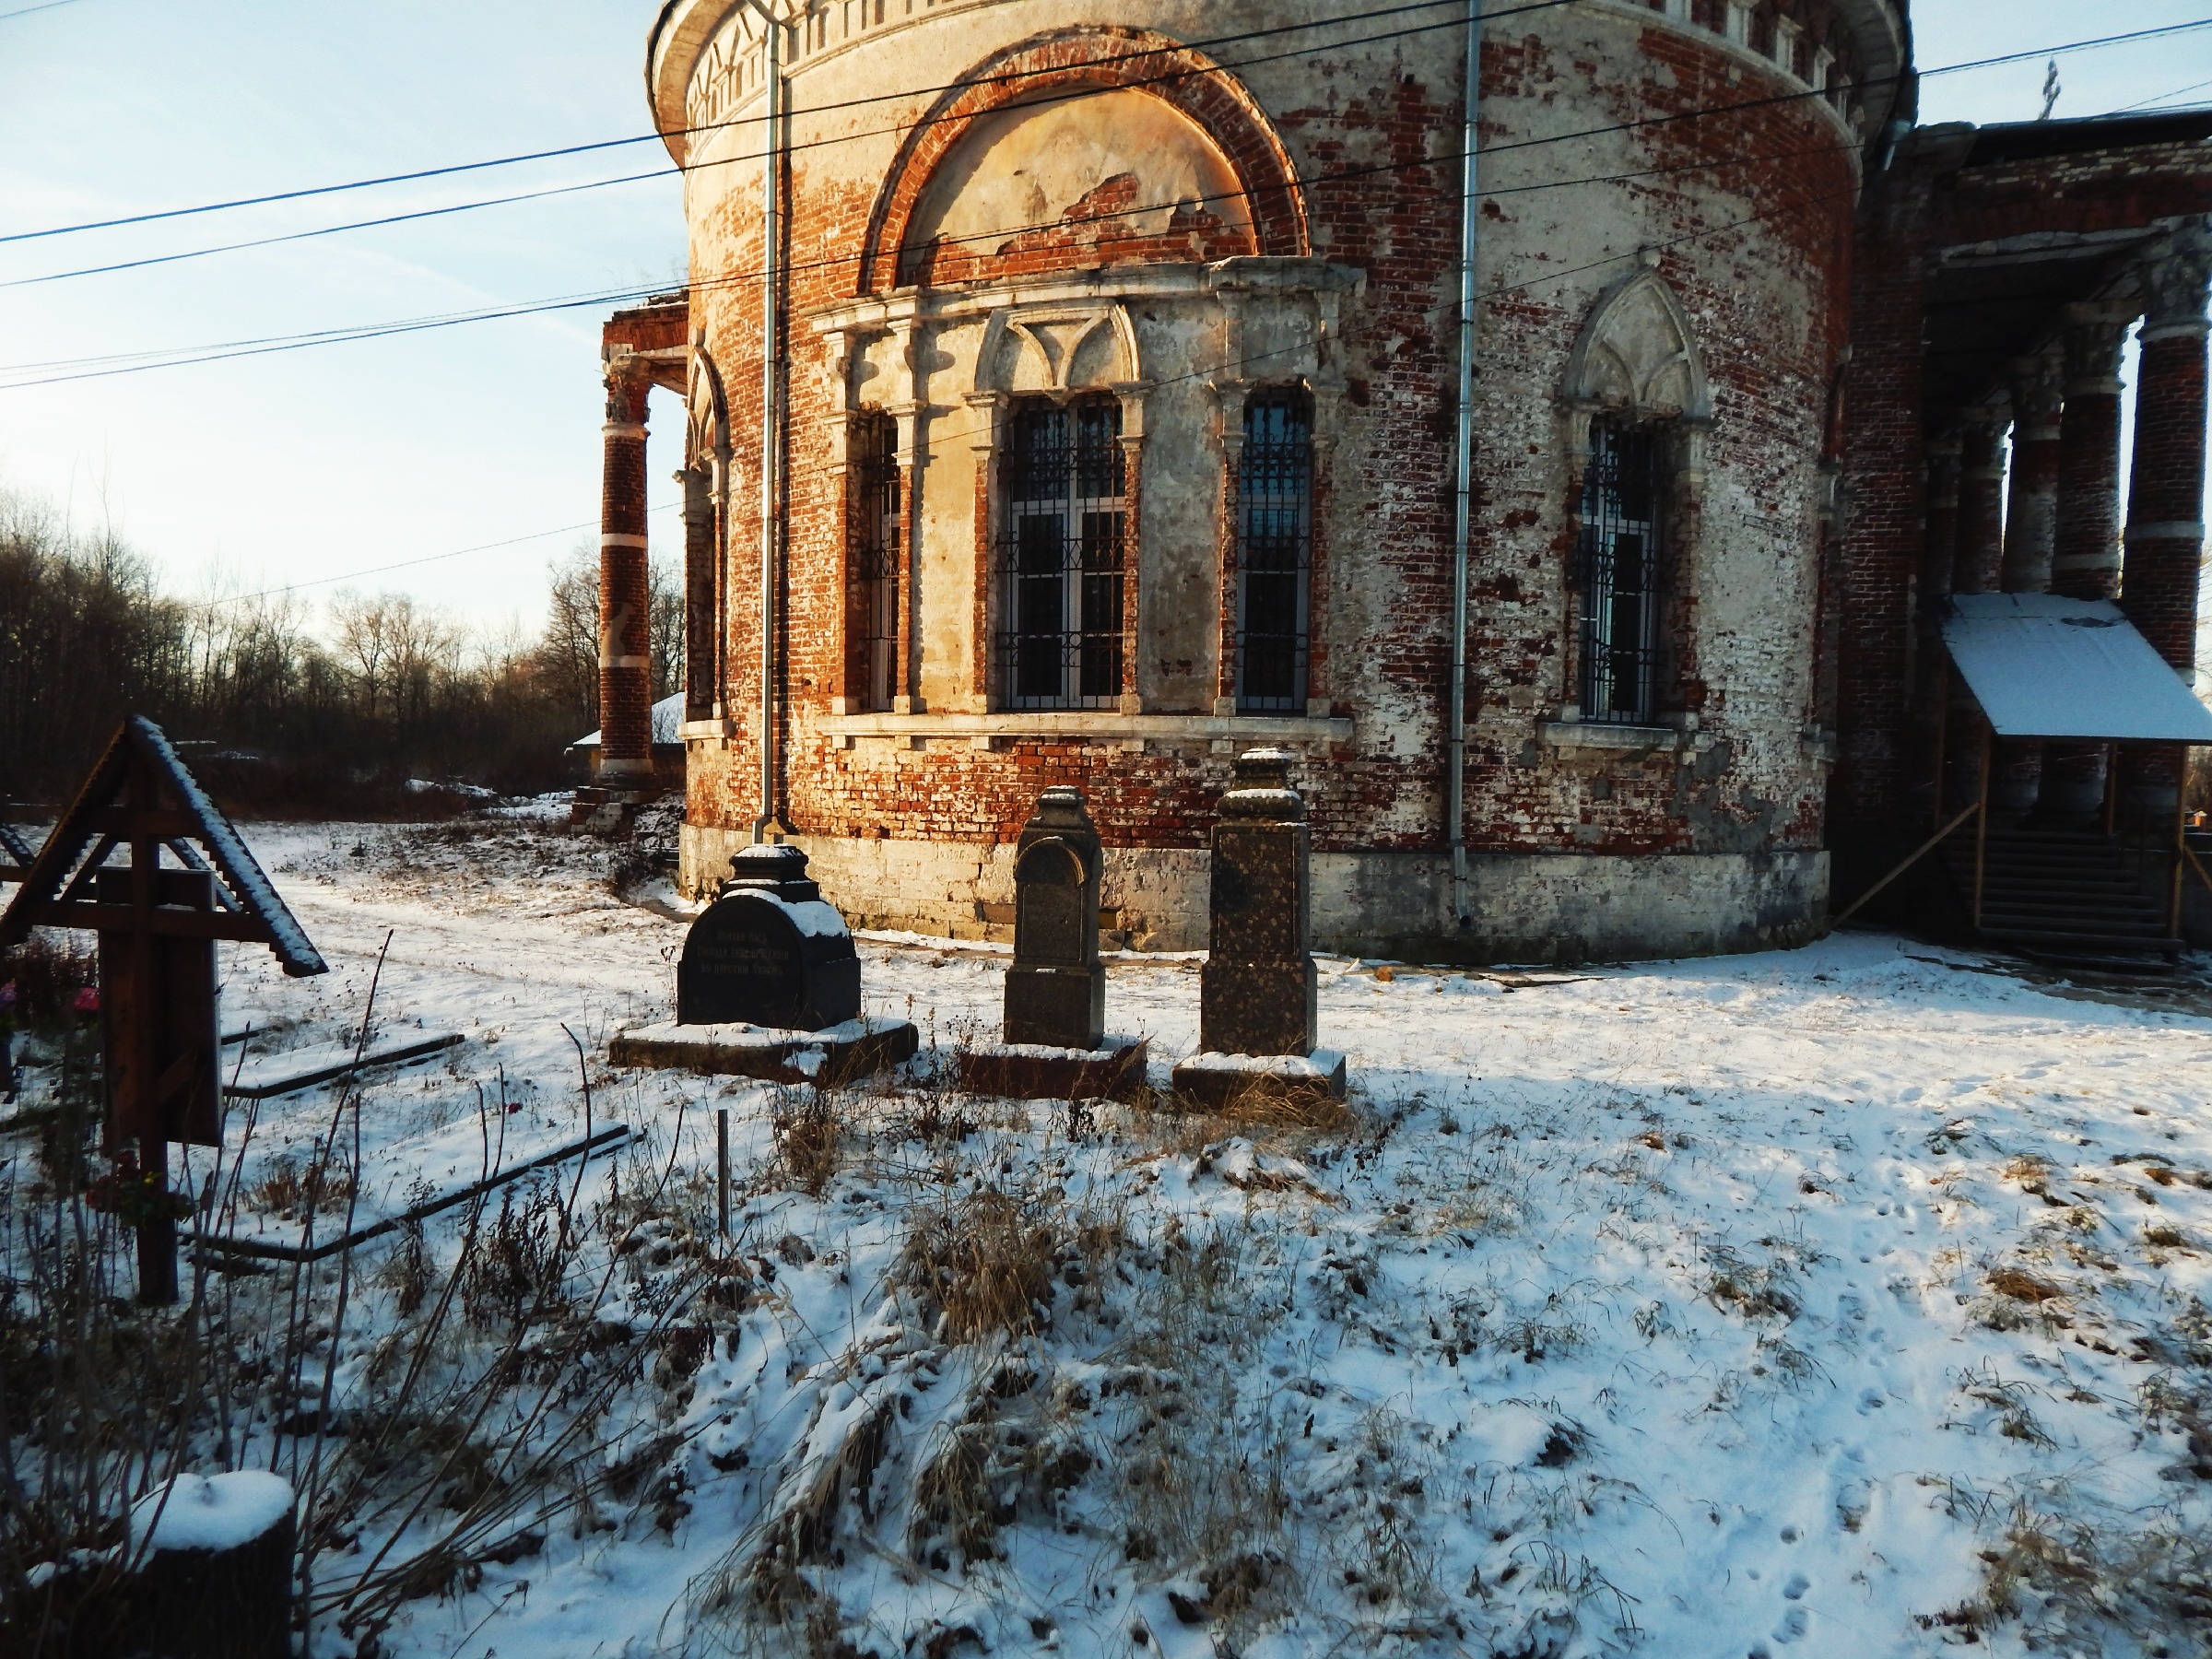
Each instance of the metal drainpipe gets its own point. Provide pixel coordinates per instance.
(1464, 502)
(770, 390)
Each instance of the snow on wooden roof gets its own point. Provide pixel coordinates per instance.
(2045, 666)
(667, 715)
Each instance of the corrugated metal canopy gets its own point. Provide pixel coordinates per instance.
(2043, 667)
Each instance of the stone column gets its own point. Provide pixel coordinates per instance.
(2038, 396)
(2084, 551)
(2166, 485)
(625, 640)
(2084, 561)
(1981, 500)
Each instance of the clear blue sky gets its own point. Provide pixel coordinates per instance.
(307, 464)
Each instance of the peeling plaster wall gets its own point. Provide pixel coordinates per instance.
(1746, 218)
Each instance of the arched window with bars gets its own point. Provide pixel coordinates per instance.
(1621, 572)
(1062, 528)
(1275, 552)
(875, 532)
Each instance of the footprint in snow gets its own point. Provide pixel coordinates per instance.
(1792, 1625)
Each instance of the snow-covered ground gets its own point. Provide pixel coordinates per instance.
(1840, 1302)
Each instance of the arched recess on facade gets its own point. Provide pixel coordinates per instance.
(1077, 62)
(706, 478)
(1636, 406)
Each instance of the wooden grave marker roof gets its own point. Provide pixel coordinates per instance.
(141, 791)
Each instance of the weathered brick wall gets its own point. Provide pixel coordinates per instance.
(1745, 214)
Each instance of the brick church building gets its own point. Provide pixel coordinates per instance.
(1079, 395)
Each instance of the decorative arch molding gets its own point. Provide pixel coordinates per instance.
(1638, 355)
(1058, 350)
(1066, 62)
(706, 412)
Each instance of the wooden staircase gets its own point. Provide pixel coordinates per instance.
(2072, 896)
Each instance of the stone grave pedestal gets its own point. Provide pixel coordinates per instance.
(1257, 990)
(1055, 1044)
(769, 986)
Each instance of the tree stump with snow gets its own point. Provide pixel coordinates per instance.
(215, 1568)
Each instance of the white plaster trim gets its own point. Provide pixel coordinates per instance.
(2174, 331)
(1600, 735)
(623, 428)
(617, 538)
(625, 662)
(1104, 724)
(2168, 529)
(705, 731)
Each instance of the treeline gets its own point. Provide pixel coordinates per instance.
(286, 705)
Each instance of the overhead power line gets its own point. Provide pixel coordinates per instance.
(102, 367)
(1070, 96)
(952, 441)
(655, 138)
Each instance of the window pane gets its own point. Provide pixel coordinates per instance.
(1060, 553)
(1619, 574)
(1274, 487)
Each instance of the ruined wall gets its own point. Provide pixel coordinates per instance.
(1331, 262)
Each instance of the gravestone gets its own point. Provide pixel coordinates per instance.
(768, 951)
(769, 986)
(1257, 990)
(1056, 988)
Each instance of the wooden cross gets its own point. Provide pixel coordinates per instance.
(156, 927)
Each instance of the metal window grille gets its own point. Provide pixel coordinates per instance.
(1275, 552)
(1059, 627)
(1619, 571)
(875, 532)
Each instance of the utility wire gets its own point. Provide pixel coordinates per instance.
(126, 363)
(953, 439)
(1071, 96)
(657, 137)
(25, 11)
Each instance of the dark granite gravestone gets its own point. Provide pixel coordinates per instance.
(1056, 988)
(1255, 992)
(768, 951)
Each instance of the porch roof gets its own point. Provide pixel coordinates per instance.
(2045, 666)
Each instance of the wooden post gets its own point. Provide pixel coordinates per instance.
(1981, 819)
(1943, 727)
(2181, 830)
(158, 1229)
(721, 1171)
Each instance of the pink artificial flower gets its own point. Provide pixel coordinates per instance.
(86, 1000)
(7, 995)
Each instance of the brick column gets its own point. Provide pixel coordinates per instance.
(2166, 485)
(625, 643)
(2085, 546)
(1981, 500)
(2084, 556)
(1942, 543)
(2038, 396)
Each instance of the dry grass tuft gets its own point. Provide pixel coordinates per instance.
(986, 1264)
(809, 1137)
(2023, 1286)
